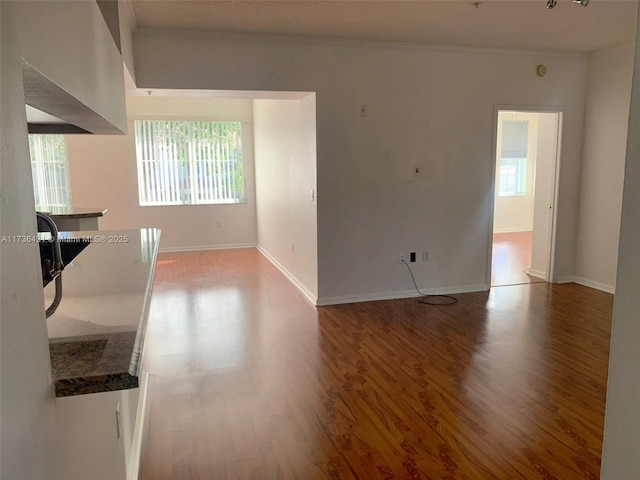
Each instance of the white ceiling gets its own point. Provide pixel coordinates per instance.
(526, 24)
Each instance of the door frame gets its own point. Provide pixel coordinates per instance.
(551, 242)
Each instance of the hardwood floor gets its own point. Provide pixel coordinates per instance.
(510, 258)
(249, 381)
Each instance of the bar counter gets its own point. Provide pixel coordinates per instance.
(96, 335)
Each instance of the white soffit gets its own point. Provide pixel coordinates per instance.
(242, 94)
(38, 116)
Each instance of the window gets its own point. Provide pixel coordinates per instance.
(512, 179)
(189, 162)
(513, 176)
(50, 171)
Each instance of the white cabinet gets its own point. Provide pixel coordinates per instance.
(99, 435)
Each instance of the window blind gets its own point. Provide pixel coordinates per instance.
(189, 162)
(515, 139)
(50, 171)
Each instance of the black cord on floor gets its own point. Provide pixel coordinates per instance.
(445, 299)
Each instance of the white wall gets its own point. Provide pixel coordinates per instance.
(620, 457)
(127, 27)
(67, 42)
(285, 157)
(605, 139)
(104, 174)
(431, 107)
(25, 397)
(515, 213)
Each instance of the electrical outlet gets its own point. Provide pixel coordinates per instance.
(401, 258)
(218, 224)
(293, 247)
(425, 256)
(412, 257)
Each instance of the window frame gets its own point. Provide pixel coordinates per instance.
(245, 126)
(520, 177)
(38, 175)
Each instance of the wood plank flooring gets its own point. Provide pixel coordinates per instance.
(249, 381)
(511, 257)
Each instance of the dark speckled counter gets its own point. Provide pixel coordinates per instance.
(96, 335)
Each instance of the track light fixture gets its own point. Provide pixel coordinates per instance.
(584, 3)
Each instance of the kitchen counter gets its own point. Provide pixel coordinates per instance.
(75, 219)
(96, 335)
(71, 212)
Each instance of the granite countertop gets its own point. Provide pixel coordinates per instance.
(97, 333)
(71, 212)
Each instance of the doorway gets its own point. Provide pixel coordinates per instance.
(526, 161)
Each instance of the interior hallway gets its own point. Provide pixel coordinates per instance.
(250, 381)
(511, 257)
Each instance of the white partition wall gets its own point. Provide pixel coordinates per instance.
(285, 156)
(605, 143)
(430, 107)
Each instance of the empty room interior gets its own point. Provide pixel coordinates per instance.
(342, 240)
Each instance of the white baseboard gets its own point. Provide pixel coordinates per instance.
(588, 283)
(566, 279)
(536, 273)
(292, 278)
(199, 248)
(133, 469)
(370, 297)
(512, 230)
